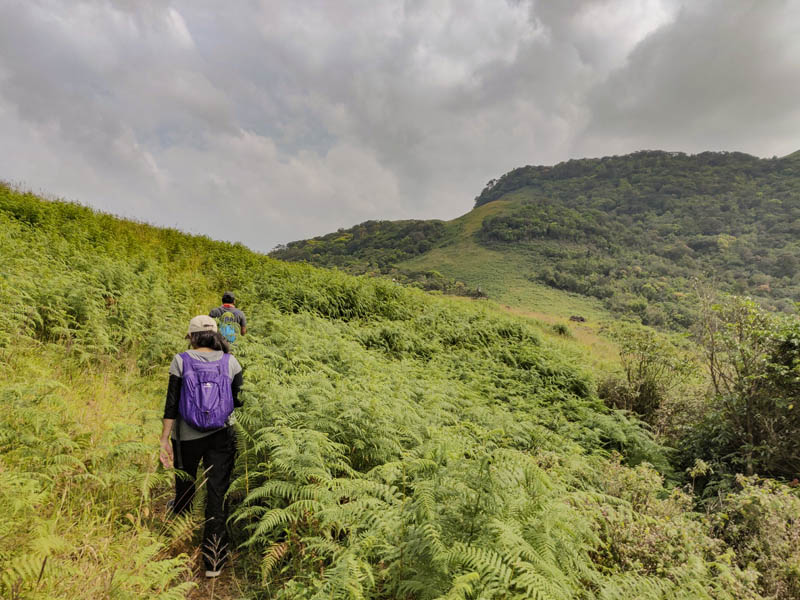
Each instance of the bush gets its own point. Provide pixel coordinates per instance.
(760, 523)
(561, 329)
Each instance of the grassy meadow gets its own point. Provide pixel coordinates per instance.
(393, 444)
(503, 276)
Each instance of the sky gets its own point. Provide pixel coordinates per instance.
(267, 121)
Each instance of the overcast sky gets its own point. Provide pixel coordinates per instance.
(275, 120)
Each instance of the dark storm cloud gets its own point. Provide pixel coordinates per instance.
(279, 120)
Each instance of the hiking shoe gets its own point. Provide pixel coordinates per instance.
(212, 574)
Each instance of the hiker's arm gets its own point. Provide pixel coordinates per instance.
(165, 452)
(244, 329)
(170, 414)
(173, 395)
(243, 323)
(236, 385)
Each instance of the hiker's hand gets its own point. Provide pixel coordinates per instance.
(166, 453)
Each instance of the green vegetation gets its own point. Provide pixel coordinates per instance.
(654, 368)
(376, 244)
(89, 314)
(393, 444)
(376, 248)
(753, 359)
(636, 233)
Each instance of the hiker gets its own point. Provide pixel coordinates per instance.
(231, 320)
(204, 384)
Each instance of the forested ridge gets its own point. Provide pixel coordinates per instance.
(376, 248)
(381, 243)
(638, 232)
(393, 444)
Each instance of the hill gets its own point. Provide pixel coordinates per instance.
(393, 444)
(377, 248)
(637, 233)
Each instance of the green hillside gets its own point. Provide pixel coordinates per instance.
(393, 444)
(439, 256)
(636, 233)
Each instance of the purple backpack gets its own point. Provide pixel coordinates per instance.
(206, 397)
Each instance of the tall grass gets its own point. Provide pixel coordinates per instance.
(78, 486)
(392, 444)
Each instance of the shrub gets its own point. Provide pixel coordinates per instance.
(561, 329)
(760, 523)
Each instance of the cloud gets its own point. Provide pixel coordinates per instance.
(280, 120)
(244, 181)
(722, 76)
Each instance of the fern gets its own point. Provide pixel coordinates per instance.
(392, 444)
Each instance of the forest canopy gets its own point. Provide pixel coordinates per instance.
(639, 231)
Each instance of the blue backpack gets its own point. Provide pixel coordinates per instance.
(206, 399)
(228, 325)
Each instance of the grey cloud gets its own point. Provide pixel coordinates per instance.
(281, 120)
(723, 76)
(100, 74)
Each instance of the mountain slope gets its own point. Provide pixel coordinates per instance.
(393, 444)
(636, 232)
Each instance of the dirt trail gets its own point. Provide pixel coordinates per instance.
(230, 585)
(224, 587)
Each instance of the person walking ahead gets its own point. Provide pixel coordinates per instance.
(232, 321)
(204, 384)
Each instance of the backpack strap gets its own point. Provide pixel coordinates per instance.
(188, 362)
(185, 360)
(225, 360)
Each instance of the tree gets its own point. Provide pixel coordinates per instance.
(753, 359)
(653, 368)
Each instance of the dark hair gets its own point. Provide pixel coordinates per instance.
(228, 298)
(209, 339)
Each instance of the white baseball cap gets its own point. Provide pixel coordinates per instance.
(202, 323)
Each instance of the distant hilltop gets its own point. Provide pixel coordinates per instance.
(638, 232)
(656, 163)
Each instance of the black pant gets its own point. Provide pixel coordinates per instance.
(218, 452)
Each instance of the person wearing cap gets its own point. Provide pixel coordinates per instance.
(183, 446)
(228, 313)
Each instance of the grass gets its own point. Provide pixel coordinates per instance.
(503, 276)
(392, 443)
(77, 468)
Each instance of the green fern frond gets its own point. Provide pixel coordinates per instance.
(272, 558)
(463, 587)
